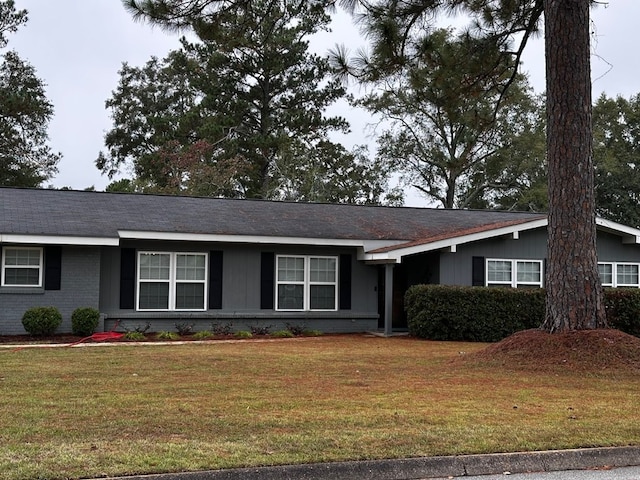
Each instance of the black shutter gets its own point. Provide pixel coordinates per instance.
(215, 279)
(477, 271)
(267, 280)
(344, 302)
(52, 267)
(127, 278)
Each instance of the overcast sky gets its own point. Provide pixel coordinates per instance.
(78, 46)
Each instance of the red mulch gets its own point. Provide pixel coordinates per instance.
(588, 351)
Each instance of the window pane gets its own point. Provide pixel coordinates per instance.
(322, 269)
(290, 269)
(154, 296)
(323, 297)
(190, 267)
(154, 266)
(499, 271)
(290, 297)
(22, 256)
(190, 296)
(528, 272)
(22, 276)
(627, 274)
(606, 273)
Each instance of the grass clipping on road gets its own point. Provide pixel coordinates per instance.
(106, 411)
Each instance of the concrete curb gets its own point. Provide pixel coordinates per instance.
(424, 468)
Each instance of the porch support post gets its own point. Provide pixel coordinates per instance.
(388, 299)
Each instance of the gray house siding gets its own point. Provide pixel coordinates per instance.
(611, 249)
(79, 287)
(456, 267)
(241, 292)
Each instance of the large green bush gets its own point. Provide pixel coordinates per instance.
(41, 321)
(84, 321)
(481, 314)
(474, 314)
(623, 309)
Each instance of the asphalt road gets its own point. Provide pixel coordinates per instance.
(623, 473)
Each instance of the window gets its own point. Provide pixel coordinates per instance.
(21, 267)
(172, 281)
(619, 274)
(528, 273)
(306, 283)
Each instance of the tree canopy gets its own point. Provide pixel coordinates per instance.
(240, 112)
(25, 158)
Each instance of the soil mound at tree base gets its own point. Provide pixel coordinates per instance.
(588, 351)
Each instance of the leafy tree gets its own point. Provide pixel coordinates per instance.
(446, 133)
(616, 133)
(236, 113)
(25, 158)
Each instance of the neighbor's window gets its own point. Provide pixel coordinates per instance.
(514, 273)
(22, 267)
(306, 283)
(172, 281)
(621, 275)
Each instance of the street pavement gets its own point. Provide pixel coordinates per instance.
(623, 473)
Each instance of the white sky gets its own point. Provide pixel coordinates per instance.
(78, 46)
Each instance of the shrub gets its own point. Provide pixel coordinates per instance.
(260, 329)
(134, 336)
(476, 314)
(312, 333)
(138, 328)
(167, 336)
(623, 309)
(84, 321)
(297, 330)
(203, 335)
(243, 334)
(225, 329)
(283, 334)
(184, 328)
(41, 321)
(440, 312)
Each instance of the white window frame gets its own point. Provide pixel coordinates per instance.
(614, 275)
(173, 281)
(513, 282)
(307, 283)
(5, 267)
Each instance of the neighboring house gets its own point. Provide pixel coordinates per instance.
(335, 268)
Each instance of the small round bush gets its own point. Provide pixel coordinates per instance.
(134, 336)
(167, 336)
(243, 334)
(84, 321)
(202, 335)
(282, 334)
(41, 321)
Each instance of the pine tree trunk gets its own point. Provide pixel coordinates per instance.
(574, 293)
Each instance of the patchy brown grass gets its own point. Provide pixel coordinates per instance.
(580, 352)
(96, 410)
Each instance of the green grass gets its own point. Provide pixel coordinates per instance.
(105, 411)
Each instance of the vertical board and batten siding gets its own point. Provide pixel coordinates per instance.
(243, 299)
(72, 280)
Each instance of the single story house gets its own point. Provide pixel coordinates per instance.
(166, 260)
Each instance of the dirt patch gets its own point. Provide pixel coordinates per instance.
(603, 350)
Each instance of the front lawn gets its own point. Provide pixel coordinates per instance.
(105, 411)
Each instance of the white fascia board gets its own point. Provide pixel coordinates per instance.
(629, 235)
(59, 240)
(450, 244)
(254, 239)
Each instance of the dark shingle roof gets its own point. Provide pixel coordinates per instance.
(99, 214)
